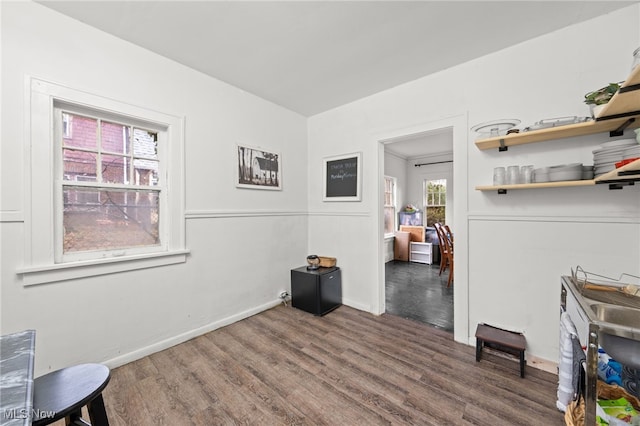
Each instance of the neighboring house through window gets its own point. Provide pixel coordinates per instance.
(110, 187)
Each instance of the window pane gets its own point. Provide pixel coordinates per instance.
(389, 215)
(79, 131)
(115, 169)
(115, 138)
(146, 172)
(436, 200)
(435, 214)
(145, 144)
(120, 219)
(78, 163)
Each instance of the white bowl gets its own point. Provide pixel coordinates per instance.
(565, 167)
(540, 177)
(556, 176)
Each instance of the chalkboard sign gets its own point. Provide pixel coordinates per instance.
(342, 178)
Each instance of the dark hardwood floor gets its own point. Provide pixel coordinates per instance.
(285, 366)
(417, 292)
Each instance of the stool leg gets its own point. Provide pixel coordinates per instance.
(522, 363)
(97, 412)
(479, 344)
(73, 416)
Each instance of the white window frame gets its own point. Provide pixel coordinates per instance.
(425, 185)
(393, 201)
(43, 232)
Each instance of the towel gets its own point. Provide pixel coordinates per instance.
(579, 359)
(565, 392)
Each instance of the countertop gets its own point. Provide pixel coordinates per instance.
(17, 354)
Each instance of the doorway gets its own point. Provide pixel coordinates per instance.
(420, 168)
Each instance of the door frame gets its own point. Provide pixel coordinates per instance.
(459, 125)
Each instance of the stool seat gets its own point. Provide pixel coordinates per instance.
(503, 340)
(63, 393)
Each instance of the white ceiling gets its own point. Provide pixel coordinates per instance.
(311, 56)
(412, 147)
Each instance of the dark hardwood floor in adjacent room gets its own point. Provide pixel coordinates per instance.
(416, 291)
(285, 366)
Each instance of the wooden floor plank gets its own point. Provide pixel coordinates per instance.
(287, 367)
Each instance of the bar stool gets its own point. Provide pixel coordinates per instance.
(63, 393)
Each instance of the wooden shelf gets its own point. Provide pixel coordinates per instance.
(560, 132)
(623, 106)
(615, 175)
(627, 99)
(559, 184)
(612, 177)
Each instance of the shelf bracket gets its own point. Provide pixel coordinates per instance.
(629, 88)
(502, 191)
(620, 130)
(621, 184)
(502, 146)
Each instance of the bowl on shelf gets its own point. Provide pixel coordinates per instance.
(493, 128)
(541, 175)
(564, 172)
(561, 175)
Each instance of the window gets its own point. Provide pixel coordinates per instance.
(435, 201)
(106, 187)
(109, 184)
(389, 205)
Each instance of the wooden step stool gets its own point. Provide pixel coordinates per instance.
(503, 340)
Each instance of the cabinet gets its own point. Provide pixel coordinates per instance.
(601, 320)
(401, 246)
(621, 112)
(420, 252)
(316, 291)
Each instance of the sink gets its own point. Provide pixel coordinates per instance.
(620, 315)
(621, 342)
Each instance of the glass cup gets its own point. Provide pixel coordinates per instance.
(513, 175)
(526, 174)
(499, 176)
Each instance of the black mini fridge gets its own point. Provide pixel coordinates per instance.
(316, 291)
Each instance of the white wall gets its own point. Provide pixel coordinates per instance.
(511, 249)
(243, 242)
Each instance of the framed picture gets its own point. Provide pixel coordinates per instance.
(342, 177)
(259, 169)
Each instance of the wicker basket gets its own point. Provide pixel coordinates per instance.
(327, 262)
(574, 416)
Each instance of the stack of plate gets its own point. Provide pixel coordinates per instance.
(565, 172)
(632, 152)
(609, 153)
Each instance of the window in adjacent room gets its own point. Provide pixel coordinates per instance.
(435, 201)
(389, 205)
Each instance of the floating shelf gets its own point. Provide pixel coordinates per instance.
(622, 111)
(625, 175)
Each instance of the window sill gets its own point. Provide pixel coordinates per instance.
(73, 270)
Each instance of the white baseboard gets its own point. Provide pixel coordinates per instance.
(180, 338)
